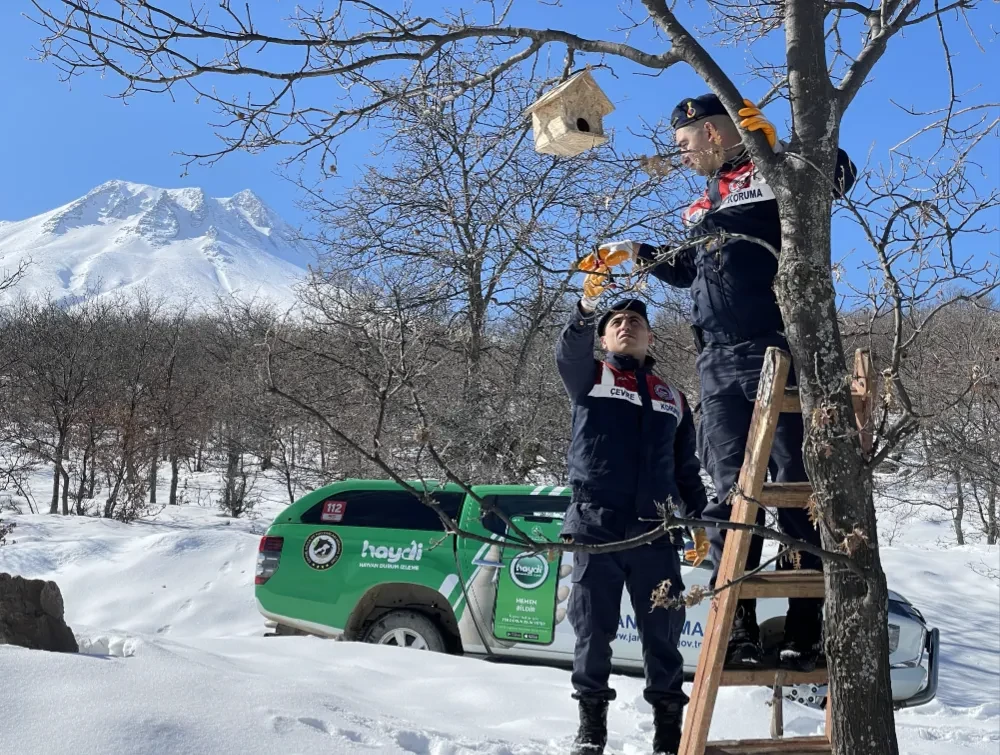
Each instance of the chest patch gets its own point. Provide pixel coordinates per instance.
(737, 187)
(623, 386)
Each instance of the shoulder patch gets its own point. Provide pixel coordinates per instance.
(665, 397)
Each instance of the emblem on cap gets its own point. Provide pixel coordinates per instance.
(690, 110)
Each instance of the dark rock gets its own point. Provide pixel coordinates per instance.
(31, 615)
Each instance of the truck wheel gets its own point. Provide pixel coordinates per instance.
(407, 629)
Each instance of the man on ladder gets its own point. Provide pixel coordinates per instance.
(735, 318)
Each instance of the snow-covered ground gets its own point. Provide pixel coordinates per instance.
(174, 660)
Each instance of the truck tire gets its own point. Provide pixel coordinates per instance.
(408, 629)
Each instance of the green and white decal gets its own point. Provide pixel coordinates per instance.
(525, 608)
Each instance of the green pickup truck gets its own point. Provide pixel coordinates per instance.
(365, 560)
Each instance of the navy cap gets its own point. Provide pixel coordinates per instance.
(694, 109)
(623, 305)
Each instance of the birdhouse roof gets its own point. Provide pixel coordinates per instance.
(577, 83)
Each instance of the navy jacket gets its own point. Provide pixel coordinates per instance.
(632, 441)
(731, 280)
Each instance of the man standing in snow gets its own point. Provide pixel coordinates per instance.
(632, 447)
(735, 319)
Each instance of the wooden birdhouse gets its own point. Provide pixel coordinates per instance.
(567, 120)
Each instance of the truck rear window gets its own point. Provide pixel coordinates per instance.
(387, 509)
(545, 507)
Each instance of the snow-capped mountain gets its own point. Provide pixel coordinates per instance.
(178, 243)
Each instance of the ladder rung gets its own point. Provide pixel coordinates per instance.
(789, 746)
(790, 402)
(786, 495)
(788, 583)
(766, 677)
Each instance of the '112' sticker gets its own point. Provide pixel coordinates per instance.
(333, 511)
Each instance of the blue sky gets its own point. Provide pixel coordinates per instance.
(58, 141)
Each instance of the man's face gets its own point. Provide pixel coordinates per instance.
(701, 149)
(627, 333)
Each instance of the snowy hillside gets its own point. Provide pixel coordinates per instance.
(173, 659)
(122, 236)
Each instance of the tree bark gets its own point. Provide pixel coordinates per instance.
(175, 465)
(81, 491)
(153, 470)
(232, 470)
(57, 473)
(856, 609)
(65, 492)
(959, 513)
(993, 530)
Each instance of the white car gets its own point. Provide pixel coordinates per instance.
(913, 646)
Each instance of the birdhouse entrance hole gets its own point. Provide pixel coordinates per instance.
(582, 125)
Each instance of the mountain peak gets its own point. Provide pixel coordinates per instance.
(122, 233)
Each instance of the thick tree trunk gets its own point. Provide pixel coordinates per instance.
(232, 472)
(959, 513)
(154, 472)
(993, 529)
(175, 465)
(856, 617)
(57, 473)
(81, 491)
(856, 608)
(65, 492)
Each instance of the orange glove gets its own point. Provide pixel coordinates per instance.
(599, 265)
(754, 120)
(595, 283)
(701, 547)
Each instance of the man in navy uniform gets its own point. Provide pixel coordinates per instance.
(632, 447)
(735, 318)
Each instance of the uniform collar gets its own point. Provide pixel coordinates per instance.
(741, 158)
(627, 361)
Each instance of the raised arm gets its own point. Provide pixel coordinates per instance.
(678, 271)
(575, 353)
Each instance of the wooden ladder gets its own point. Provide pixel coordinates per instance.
(772, 400)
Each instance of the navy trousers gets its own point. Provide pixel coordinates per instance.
(729, 380)
(594, 612)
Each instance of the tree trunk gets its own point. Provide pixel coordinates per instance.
(856, 608)
(992, 530)
(91, 490)
(959, 512)
(198, 457)
(81, 491)
(153, 472)
(57, 473)
(175, 465)
(232, 471)
(65, 492)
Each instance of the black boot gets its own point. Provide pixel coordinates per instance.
(666, 729)
(592, 735)
(802, 647)
(744, 643)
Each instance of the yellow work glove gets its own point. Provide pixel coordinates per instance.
(701, 546)
(596, 282)
(598, 264)
(754, 120)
